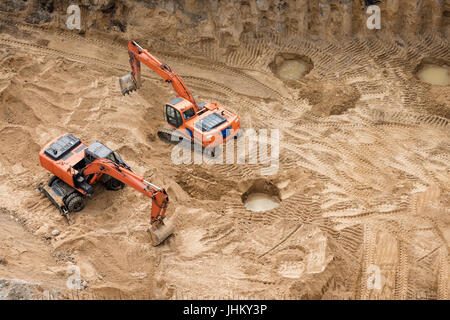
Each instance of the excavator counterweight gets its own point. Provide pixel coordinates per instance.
(77, 167)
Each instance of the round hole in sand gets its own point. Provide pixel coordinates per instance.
(258, 202)
(290, 66)
(434, 72)
(261, 196)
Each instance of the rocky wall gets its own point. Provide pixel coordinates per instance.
(229, 22)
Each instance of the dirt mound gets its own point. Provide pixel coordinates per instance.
(328, 98)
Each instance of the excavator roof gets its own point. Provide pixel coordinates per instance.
(98, 150)
(61, 147)
(174, 101)
(180, 103)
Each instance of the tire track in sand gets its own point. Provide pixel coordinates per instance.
(369, 243)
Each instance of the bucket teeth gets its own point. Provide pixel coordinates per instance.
(56, 199)
(127, 84)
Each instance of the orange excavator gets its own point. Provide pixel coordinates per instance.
(207, 124)
(77, 167)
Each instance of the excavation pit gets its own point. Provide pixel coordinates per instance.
(289, 66)
(434, 72)
(261, 196)
(259, 202)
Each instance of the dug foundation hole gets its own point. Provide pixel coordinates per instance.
(291, 67)
(261, 196)
(434, 72)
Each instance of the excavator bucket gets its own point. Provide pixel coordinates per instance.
(56, 197)
(160, 231)
(127, 84)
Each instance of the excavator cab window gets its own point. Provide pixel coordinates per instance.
(112, 157)
(173, 116)
(118, 158)
(189, 113)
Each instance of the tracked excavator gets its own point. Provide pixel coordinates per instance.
(207, 124)
(77, 167)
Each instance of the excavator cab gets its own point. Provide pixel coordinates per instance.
(209, 126)
(98, 150)
(173, 116)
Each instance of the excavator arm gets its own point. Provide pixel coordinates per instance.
(132, 81)
(159, 229)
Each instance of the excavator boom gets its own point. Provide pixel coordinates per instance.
(160, 229)
(128, 177)
(132, 81)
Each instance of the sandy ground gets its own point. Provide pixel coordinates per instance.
(364, 172)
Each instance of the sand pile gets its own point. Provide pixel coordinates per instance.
(363, 173)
